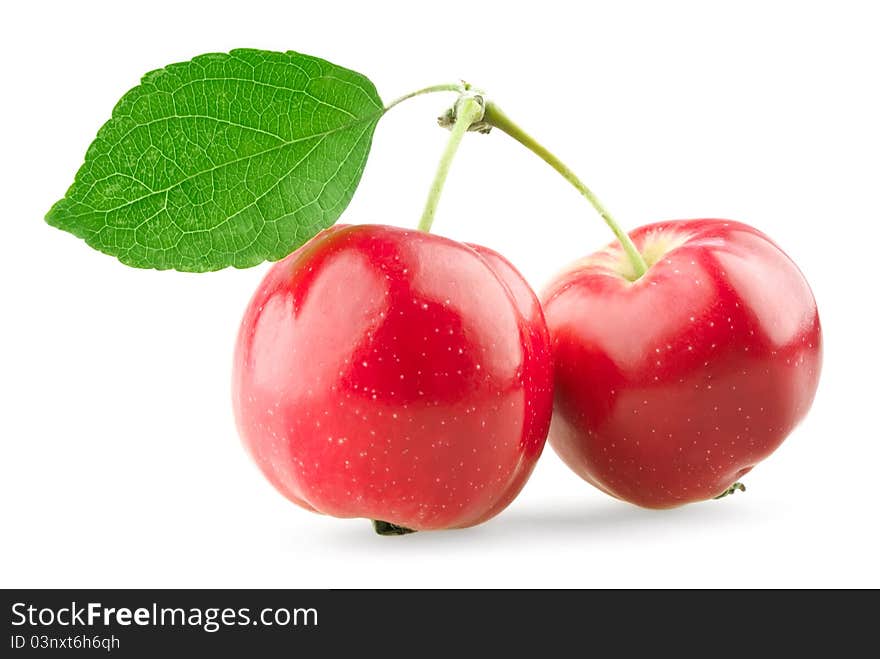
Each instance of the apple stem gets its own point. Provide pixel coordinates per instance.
(387, 528)
(457, 87)
(468, 110)
(494, 116)
(730, 490)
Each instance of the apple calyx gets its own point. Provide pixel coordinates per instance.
(730, 490)
(387, 528)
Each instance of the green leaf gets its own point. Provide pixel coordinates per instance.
(225, 160)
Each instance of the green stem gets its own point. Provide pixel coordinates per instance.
(449, 87)
(493, 116)
(468, 109)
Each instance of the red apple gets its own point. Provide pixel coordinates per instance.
(672, 386)
(394, 375)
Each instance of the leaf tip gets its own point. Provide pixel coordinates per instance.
(54, 214)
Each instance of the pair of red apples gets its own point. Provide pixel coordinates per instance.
(410, 379)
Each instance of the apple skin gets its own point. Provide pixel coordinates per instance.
(394, 375)
(670, 388)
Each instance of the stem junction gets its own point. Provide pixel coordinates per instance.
(472, 113)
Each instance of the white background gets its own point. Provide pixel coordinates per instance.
(120, 463)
